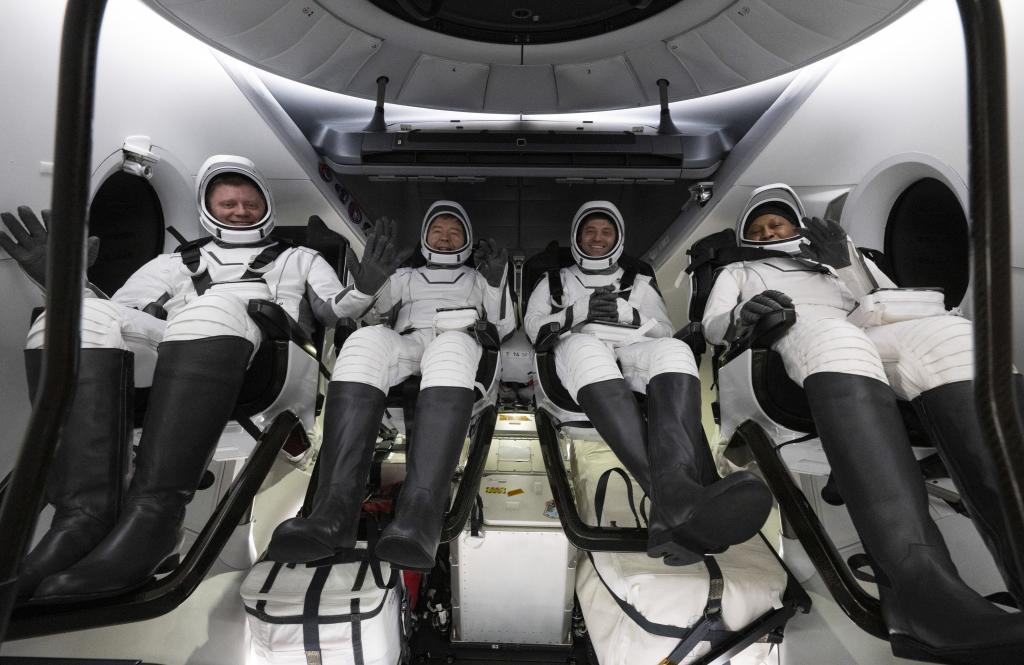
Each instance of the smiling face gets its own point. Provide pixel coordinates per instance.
(236, 205)
(597, 236)
(769, 227)
(446, 234)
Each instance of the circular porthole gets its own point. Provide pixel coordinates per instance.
(927, 239)
(127, 217)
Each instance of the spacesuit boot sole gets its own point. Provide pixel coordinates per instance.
(405, 553)
(660, 545)
(726, 513)
(295, 546)
(904, 646)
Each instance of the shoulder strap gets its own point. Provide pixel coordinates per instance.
(555, 290)
(266, 257)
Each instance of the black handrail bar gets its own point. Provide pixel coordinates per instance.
(64, 280)
(990, 234)
(469, 485)
(862, 608)
(579, 533)
(161, 596)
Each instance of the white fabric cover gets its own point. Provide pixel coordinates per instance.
(675, 595)
(282, 643)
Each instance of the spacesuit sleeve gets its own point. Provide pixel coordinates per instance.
(497, 303)
(390, 294)
(647, 304)
(153, 282)
(329, 300)
(723, 303)
(538, 312)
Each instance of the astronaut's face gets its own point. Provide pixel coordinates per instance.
(237, 205)
(445, 234)
(597, 236)
(770, 227)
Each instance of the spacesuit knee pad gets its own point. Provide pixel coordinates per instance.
(669, 355)
(582, 359)
(934, 351)
(213, 315)
(828, 345)
(450, 360)
(368, 356)
(101, 326)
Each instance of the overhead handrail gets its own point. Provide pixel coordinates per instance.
(65, 264)
(990, 236)
(159, 597)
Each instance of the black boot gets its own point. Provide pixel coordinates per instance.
(686, 516)
(442, 419)
(691, 505)
(88, 474)
(351, 422)
(929, 611)
(195, 387)
(948, 413)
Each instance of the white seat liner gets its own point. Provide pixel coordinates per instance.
(675, 595)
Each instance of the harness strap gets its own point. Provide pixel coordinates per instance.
(602, 490)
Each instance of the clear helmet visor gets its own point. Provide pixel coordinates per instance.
(781, 201)
(446, 255)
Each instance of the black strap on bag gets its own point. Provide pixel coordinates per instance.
(311, 615)
(709, 628)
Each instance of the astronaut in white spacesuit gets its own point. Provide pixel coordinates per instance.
(179, 324)
(437, 304)
(693, 512)
(852, 377)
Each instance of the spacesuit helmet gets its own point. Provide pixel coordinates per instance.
(232, 170)
(776, 199)
(446, 257)
(587, 211)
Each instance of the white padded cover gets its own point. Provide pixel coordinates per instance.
(754, 580)
(280, 641)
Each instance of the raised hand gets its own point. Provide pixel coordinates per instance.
(826, 242)
(491, 262)
(28, 245)
(380, 260)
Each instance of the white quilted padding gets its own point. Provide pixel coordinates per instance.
(754, 580)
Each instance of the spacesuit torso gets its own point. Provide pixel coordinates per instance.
(577, 287)
(816, 290)
(297, 279)
(420, 292)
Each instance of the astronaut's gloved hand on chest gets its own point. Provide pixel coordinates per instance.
(491, 261)
(602, 305)
(752, 311)
(826, 242)
(380, 259)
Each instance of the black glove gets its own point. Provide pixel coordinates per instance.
(28, 246)
(603, 305)
(379, 258)
(491, 261)
(826, 242)
(755, 309)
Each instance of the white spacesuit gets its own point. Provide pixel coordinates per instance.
(693, 511)
(179, 324)
(852, 376)
(434, 307)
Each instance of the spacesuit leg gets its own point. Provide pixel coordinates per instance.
(443, 410)
(931, 362)
(690, 505)
(200, 368)
(372, 360)
(87, 477)
(930, 613)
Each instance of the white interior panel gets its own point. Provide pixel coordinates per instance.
(596, 84)
(434, 81)
(347, 59)
(532, 88)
